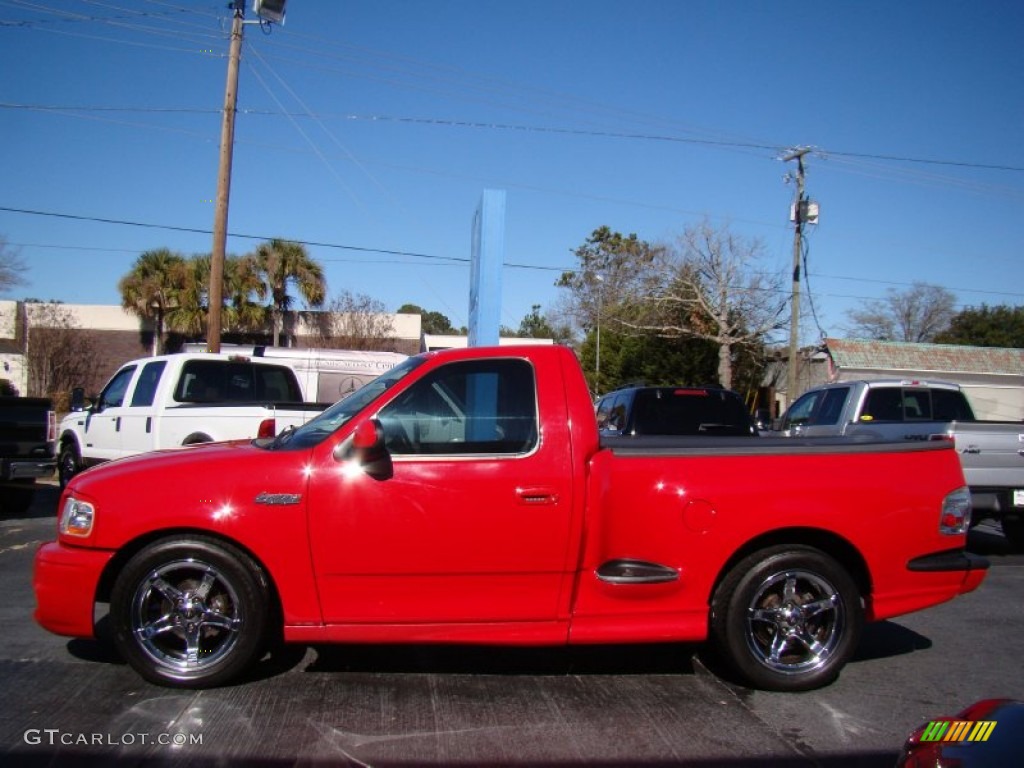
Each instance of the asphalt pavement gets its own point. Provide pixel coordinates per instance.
(73, 702)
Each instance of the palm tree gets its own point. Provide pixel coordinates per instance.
(280, 262)
(242, 282)
(190, 316)
(151, 289)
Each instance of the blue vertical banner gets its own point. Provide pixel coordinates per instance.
(485, 269)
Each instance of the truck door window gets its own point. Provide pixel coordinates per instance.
(800, 412)
(832, 406)
(145, 388)
(617, 415)
(472, 407)
(113, 394)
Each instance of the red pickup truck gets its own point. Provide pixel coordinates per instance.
(465, 497)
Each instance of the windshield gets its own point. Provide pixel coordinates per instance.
(316, 431)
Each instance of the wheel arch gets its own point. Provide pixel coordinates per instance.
(197, 438)
(831, 544)
(133, 547)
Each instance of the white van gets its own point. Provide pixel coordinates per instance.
(325, 375)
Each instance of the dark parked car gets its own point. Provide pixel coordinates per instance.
(674, 411)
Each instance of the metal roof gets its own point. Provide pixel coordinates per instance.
(949, 358)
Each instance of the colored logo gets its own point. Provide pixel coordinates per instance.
(958, 730)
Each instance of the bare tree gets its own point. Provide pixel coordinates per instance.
(59, 355)
(12, 267)
(711, 286)
(355, 321)
(916, 315)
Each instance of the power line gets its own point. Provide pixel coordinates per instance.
(444, 260)
(311, 243)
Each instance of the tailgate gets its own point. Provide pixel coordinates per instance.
(992, 455)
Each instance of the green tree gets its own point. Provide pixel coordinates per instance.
(604, 290)
(282, 264)
(244, 292)
(190, 316)
(152, 288)
(999, 326)
(631, 358)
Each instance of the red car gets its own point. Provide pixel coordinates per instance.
(465, 497)
(987, 734)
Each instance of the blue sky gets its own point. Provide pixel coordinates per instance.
(372, 127)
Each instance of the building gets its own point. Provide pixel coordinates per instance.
(992, 378)
(116, 335)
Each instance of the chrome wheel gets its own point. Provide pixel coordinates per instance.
(795, 622)
(786, 618)
(186, 615)
(190, 611)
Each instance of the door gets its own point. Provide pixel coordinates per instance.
(473, 524)
(102, 431)
(138, 420)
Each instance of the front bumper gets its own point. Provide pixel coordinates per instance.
(65, 581)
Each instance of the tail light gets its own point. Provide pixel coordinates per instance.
(268, 428)
(955, 518)
(51, 427)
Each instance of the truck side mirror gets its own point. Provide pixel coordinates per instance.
(78, 399)
(366, 447)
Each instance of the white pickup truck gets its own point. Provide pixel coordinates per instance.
(176, 400)
(991, 452)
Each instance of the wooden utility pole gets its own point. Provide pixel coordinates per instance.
(227, 144)
(794, 322)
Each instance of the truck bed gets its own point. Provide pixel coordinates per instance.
(659, 445)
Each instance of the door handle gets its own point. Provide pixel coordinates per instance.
(537, 497)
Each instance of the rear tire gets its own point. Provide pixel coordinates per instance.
(786, 618)
(190, 612)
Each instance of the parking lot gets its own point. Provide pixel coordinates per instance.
(72, 702)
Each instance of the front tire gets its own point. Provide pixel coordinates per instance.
(190, 612)
(69, 463)
(787, 618)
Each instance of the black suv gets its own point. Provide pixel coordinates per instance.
(674, 411)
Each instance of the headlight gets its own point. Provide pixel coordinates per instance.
(955, 518)
(77, 517)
